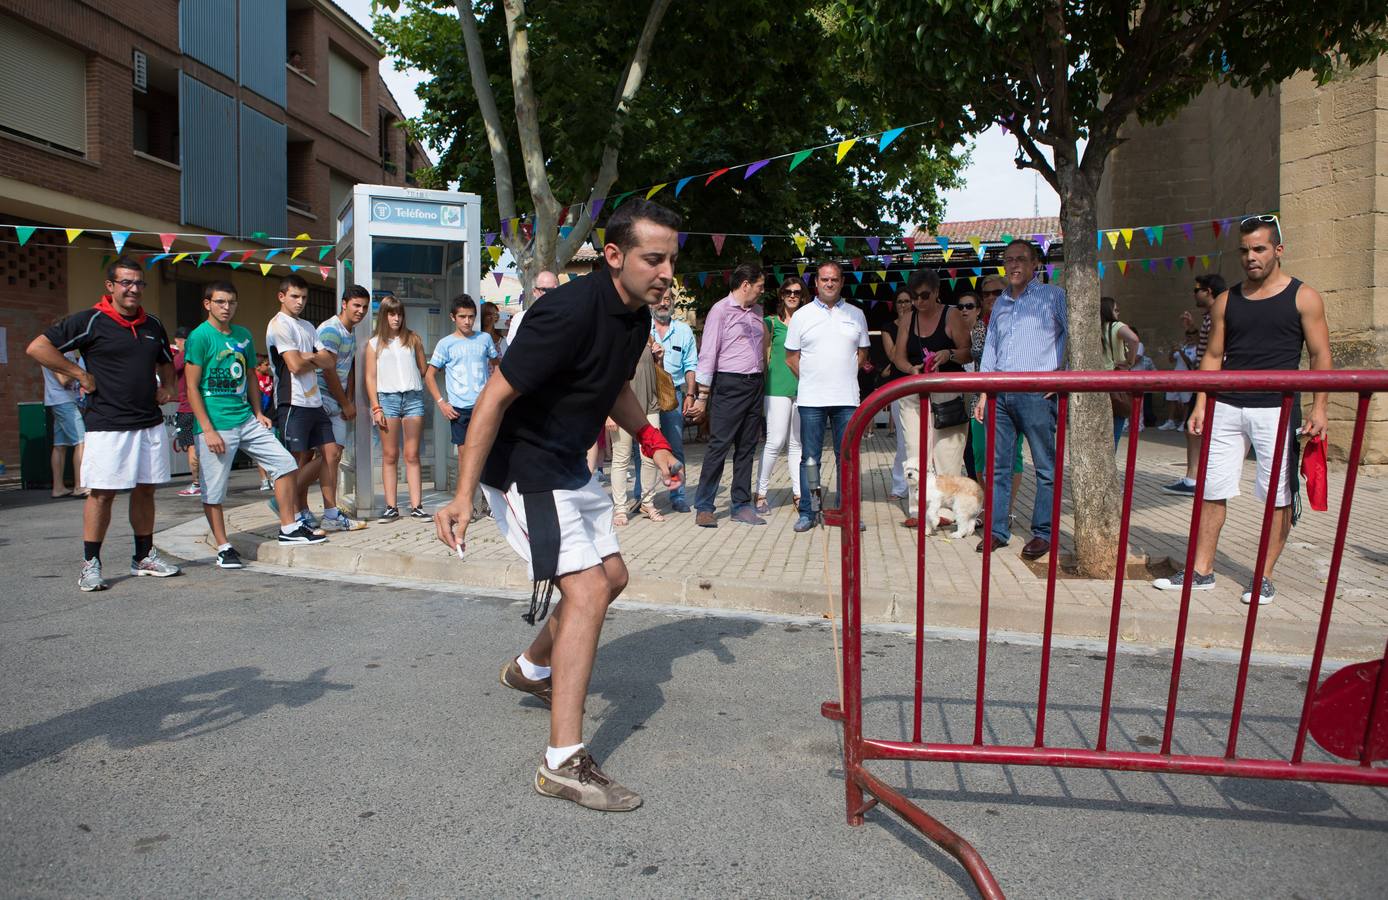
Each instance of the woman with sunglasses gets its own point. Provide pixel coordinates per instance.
(782, 418)
(931, 339)
(902, 307)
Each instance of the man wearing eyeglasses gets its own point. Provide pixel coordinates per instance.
(545, 282)
(1258, 324)
(127, 448)
(1026, 333)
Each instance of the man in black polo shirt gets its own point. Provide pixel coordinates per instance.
(543, 408)
(127, 449)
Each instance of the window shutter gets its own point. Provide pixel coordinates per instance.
(43, 87)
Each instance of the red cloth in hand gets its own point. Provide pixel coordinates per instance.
(652, 440)
(1314, 471)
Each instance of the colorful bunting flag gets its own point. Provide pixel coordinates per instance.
(682, 237)
(799, 157)
(722, 171)
(324, 272)
(888, 136)
(180, 257)
(621, 198)
(1216, 227)
(498, 276)
(844, 147)
(755, 167)
(1189, 230)
(756, 240)
(718, 243)
(656, 190)
(682, 182)
(24, 232)
(978, 246)
(265, 268)
(1112, 239)
(167, 240)
(495, 253)
(602, 237)
(1123, 266)
(872, 243)
(949, 251)
(839, 242)
(72, 234)
(118, 238)
(1127, 236)
(801, 242)
(595, 209)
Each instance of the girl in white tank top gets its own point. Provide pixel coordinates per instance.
(395, 387)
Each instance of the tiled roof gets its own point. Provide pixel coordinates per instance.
(993, 229)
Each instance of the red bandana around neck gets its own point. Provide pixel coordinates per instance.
(108, 307)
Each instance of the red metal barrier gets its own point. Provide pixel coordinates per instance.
(859, 748)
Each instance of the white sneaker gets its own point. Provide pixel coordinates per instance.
(191, 490)
(153, 565)
(90, 579)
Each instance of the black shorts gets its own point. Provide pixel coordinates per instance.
(303, 428)
(185, 430)
(459, 425)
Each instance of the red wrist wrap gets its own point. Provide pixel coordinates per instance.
(652, 440)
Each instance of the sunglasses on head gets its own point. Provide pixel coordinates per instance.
(1266, 220)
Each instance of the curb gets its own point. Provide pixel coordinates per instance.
(1150, 628)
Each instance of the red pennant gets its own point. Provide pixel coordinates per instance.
(247, 255)
(167, 240)
(857, 262)
(718, 240)
(728, 275)
(953, 273)
(1217, 228)
(715, 175)
(324, 271)
(1190, 261)
(910, 243)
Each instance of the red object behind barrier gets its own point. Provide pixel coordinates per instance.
(1347, 714)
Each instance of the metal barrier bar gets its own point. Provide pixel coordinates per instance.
(1279, 456)
(988, 512)
(1062, 420)
(922, 457)
(1126, 761)
(1183, 617)
(1332, 581)
(1121, 570)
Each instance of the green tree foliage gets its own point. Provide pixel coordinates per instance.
(1065, 76)
(729, 82)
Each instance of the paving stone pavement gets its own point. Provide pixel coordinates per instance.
(772, 568)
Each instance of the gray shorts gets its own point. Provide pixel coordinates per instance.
(258, 442)
(335, 418)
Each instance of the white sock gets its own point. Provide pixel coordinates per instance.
(330, 512)
(555, 756)
(1188, 482)
(221, 547)
(532, 671)
(290, 528)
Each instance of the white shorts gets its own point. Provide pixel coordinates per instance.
(119, 460)
(251, 438)
(1232, 431)
(586, 535)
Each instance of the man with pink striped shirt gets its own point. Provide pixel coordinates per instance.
(732, 362)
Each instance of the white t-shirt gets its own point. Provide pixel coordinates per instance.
(397, 367)
(54, 393)
(828, 338)
(286, 332)
(512, 327)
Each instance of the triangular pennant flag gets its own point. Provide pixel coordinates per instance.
(942, 241)
(872, 243)
(952, 282)
(487, 239)
(721, 171)
(72, 234)
(978, 271)
(1147, 264)
(858, 275)
(297, 251)
(1123, 266)
(1190, 261)
(1127, 237)
(839, 242)
(202, 257)
(872, 286)
(565, 231)
(265, 268)
(682, 237)
(247, 255)
(495, 253)
(882, 274)
(602, 237)
(679, 186)
(718, 240)
(703, 279)
(213, 240)
(756, 240)
(1160, 232)
(656, 190)
(271, 254)
(235, 265)
(106, 258)
(805, 277)
(180, 257)
(888, 136)
(258, 235)
(323, 272)
(505, 228)
(1112, 239)
(954, 273)
(595, 209)
(1050, 270)
(915, 259)
(1205, 261)
(1189, 230)
(1098, 240)
(1180, 263)
(1167, 262)
(156, 258)
(25, 232)
(295, 268)
(857, 262)
(973, 281)
(1216, 227)
(498, 276)
(1002, 271)
(1006, 238)
(801, 242)
(119, 238)
(755, 167)
(978, 246)
(910, 243)
(1101, 270)
(844, 147)
(167, 240)
(302, 236)
(223, 255)
(799, 157)
(621, 198)
(1149, 233)
(347, 264)
(1043, 241)
(801, 269)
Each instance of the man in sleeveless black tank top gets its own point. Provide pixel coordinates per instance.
(1259, 324)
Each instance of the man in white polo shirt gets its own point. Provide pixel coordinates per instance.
(826, 345)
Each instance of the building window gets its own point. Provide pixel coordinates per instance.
(43, 88)
(301, 164)
(155, 115)
(385, 125)
(344, 88)
(319, 306)
(339, 189)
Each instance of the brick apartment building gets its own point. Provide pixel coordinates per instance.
(228, 117)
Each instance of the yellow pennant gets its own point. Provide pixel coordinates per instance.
(801, 267)
(844, 147)
(872, 286)
(655, 190)
(72, 234)
(882, 274)
(265, 268)
(179, 257)
(977, 245)
(1123, 266)
(602, 237)
(495, 253)
(947, 253)
(1127, 237)
(801, 242)
(302, 236)
(973, 281)
(1205, 261)
(1002, 271)
(297, 251)
(1112, 239)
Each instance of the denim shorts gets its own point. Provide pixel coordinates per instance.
(68, 428)
(402, 404)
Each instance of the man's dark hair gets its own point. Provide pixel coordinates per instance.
(1271, 223)
(293, 281)
(1214, 283)
(462, 301)
(125, 262)
(745, 273)
(828, 262)
(1035, 250)
(212, 287)
(923, 278)
(621, 228)
(353, 291)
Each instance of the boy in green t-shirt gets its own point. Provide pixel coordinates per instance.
(226, 403)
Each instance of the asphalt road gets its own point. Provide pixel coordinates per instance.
(251, 734)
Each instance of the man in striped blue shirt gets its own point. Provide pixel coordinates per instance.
(1025, 334)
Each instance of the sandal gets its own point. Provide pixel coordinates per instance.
(619, 518)
(763, 508)
(649, 511)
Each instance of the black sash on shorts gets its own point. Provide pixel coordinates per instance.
(542, 522)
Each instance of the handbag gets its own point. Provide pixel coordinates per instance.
(665, 395)
(949, 413)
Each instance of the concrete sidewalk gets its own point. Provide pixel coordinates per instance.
(773, 569)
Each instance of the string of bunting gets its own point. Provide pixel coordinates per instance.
(233, 260)
(166, 239)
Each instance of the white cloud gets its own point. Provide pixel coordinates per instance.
(994, 188)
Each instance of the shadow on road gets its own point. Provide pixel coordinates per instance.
(175, 711)
(631, 669)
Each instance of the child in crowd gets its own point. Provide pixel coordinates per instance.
(266, 380)
(227, 408)
(466, 357)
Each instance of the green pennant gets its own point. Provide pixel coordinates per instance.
(839, 242)
(202, 258)
(1179, 262)
(621, 198)
(106, 258)
(799, 157)
(916, 258)
(258, 235)
(347, 264)
(25, 232)
(236, 265)
(1007, 238)
(323, 251)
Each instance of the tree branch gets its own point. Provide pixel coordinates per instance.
(486, 104)
(527, 111)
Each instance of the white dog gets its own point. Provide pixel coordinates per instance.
(960, 495)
